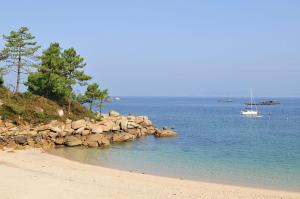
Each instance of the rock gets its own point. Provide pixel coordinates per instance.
(9, 125)
(59, 141)
(131, 118)
(99, 138)
(114, 114)
(3, 140)
(94, 137)
(106, 124)
(45, 144)
(2, 124)
(56, 126)
(123, 122)
(44, 134)
(139, 119)
(85, 132)
(30, 142)
(60, 112)
(32, 133)
(43, 127)
(72, 141)
(67, 130)
(91, 143)
(1, 103)
(21, 139)
(97, 129)
(122, 137)
(132, 125)
(146, 122)
(104, 141)
(78, 124)
(53, 135)
(164, 133)
(79, 131)
(150, 130)
(11, 144)
(116, 128)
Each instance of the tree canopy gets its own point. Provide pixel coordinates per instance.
(58, 73)
(19, 53)
(55, 72)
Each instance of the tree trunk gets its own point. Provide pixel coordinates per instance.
(100, 108)
(69, 105)
(91, 105)
(18, 75)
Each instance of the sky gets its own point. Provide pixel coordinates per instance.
(172, 47)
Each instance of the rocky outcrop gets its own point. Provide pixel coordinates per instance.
(72, 141)
(165, 133)
(112, 128)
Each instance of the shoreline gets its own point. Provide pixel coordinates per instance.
(215, 181)
(33, 173)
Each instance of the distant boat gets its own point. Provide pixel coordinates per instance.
(249, 111)
(117, 98)
(225, 100)
(264, 103)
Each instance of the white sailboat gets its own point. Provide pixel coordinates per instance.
(249, 111)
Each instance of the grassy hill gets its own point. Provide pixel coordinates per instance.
(29, 108)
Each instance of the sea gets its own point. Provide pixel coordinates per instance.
(214, 143)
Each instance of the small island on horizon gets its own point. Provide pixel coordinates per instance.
(149, 100)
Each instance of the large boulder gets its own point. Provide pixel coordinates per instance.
(122, 123)
(79, 130)
(90, 143)
(97, 129)
(122, 137)
(114, 114)
(132, 125)
(146, 122)
(150, 130)
(20, 139)
(59, 141)
(78, 124)
(94, 137)
(131, 118)
(104, 141)
(99, 138)
(72, 141)
(67, 130)
(165, 133)
(85, 132)
(56, 126)
(106, 124)
(136, 132)
(139, 119)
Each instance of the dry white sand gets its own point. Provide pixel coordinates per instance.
(32, 174)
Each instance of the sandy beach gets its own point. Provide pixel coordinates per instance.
(33, 174)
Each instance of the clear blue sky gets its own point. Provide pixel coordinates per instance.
(171, 47)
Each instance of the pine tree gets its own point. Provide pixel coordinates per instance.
(103, 97)
(48, 81)
(19, 52)
(91, 94)
(72, 70)
(58, 73)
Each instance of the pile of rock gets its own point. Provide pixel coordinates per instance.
(111, 128)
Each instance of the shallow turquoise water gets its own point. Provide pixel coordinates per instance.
(214, 142)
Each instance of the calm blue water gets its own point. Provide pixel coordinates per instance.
(214, 142)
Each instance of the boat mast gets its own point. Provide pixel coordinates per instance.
(251, 97)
